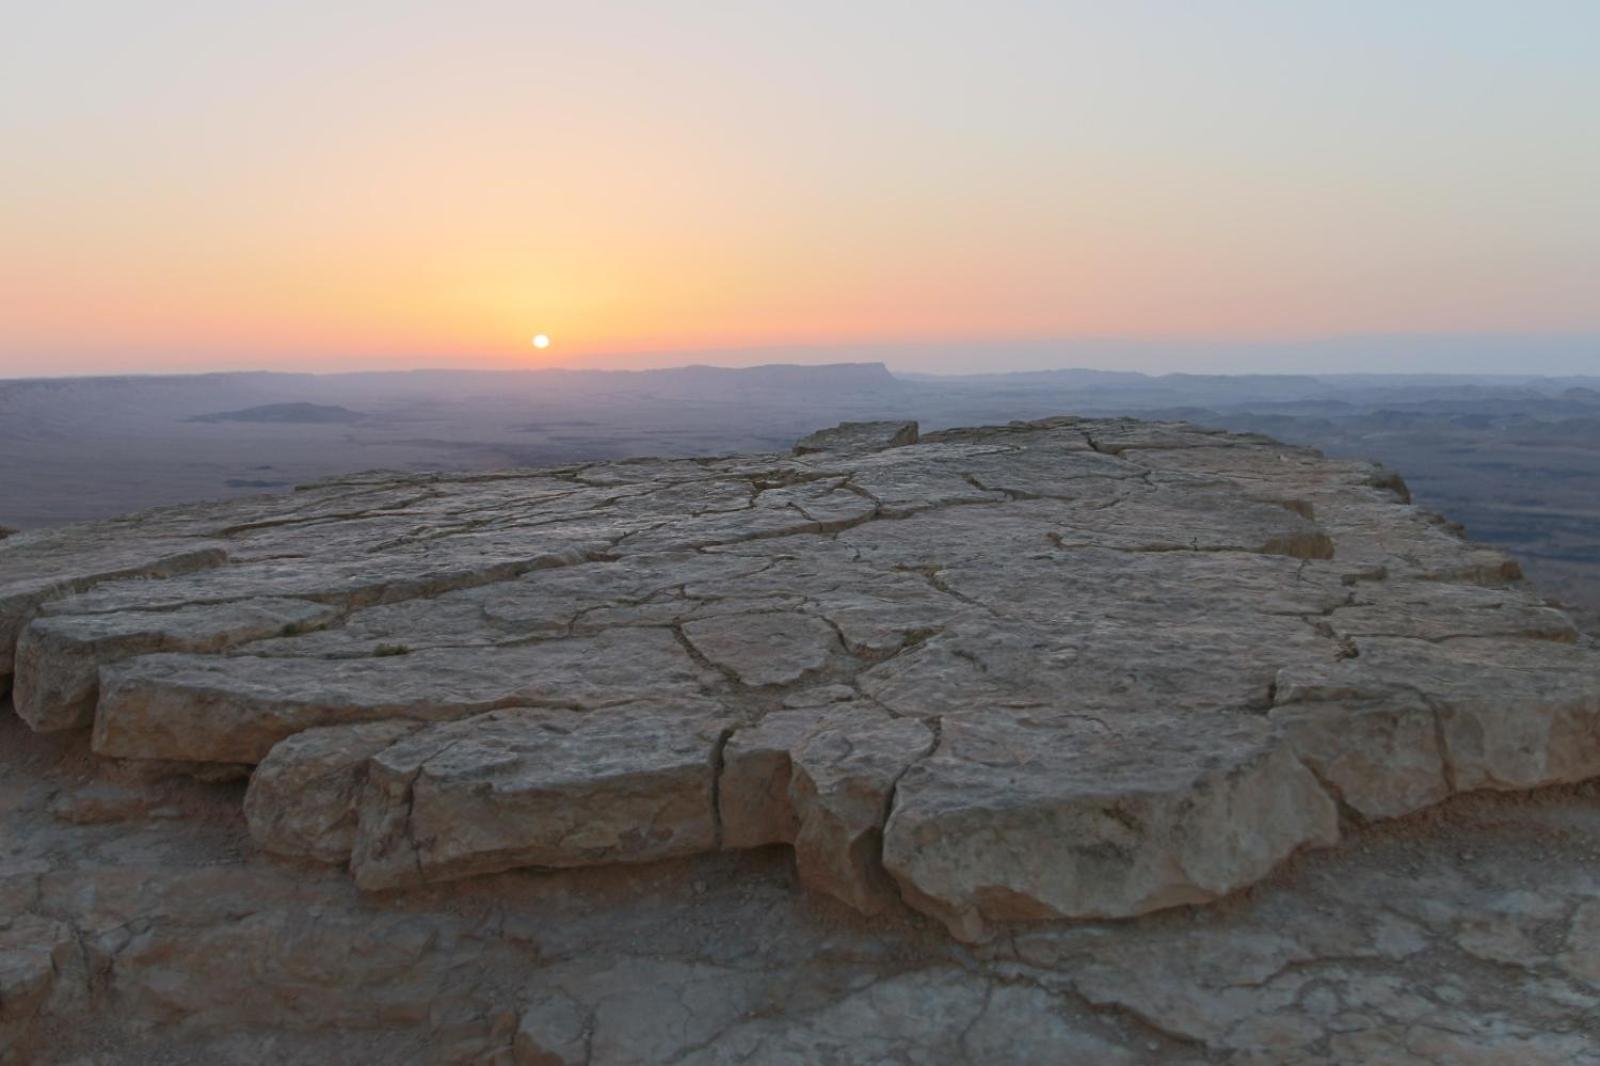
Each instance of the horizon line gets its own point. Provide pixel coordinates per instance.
(1303, 356)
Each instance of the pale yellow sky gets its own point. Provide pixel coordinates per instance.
(293, 185)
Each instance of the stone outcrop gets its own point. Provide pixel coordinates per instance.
(303, 798)
(530, 787)
(858, 437)
(138, 925)
(1067, 669)
(821, 780)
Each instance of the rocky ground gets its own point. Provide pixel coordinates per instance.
(1071, 741)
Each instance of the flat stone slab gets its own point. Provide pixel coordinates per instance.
(529, 787)
(1070, 668)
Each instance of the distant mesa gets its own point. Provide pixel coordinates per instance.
(545, 427)
(290, 413)
(789, 378)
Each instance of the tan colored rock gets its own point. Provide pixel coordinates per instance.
(1465, 936)
(33, 951)
(44, 566)
(1580, 955)
(234, 709)
(1383, 757)
(302, 797)
(821, 780)
(1512, 714)
(1025, 817)
(99, 803)
(57, 682)
(550, 1032)
(764, 649)
(526, 787)
(858, 436)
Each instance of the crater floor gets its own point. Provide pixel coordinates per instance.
(1073, 669)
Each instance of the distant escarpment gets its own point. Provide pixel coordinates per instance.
(292, 413)
(1059, 669)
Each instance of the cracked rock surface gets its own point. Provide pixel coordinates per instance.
(140, 924)
(1079, 740)
(1065, 669)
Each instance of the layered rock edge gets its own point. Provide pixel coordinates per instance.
(1071, 668)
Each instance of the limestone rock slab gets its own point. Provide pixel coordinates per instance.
(533, 787)
(763, 649)
(1510, 714)
(1018, 816)
(302, 797)
(821, 780)
(858, 436)
(234, 708)
(59, 657)
(39, 567)
(1066, 668)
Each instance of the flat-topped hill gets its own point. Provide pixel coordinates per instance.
(288, 413)
(1063, 669)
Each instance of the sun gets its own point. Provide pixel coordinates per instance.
(541, 341)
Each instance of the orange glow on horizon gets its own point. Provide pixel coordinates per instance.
(421, 193)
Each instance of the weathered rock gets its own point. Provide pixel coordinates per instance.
(58, 660)
(858, 437)
(1382, 758)
(33, 950)
(47, 565)
(99, 803)
(821, 780)
(1067, 668)
(551, 1033)
(302, 798)
(1510, 714)
(1466, 936)
(526, 787)
(1021, 816)
(1580, 954)
(763, 649)
(234, 708)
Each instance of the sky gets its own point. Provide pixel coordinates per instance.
(1349, 184)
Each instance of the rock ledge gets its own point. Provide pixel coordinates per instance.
(1071, 668)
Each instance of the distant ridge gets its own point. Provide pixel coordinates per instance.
(297, 413)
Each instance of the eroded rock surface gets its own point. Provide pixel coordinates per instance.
(532, 787)
(1068, 669)
(152, 932)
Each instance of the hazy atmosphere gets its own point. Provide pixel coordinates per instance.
(1155, 186)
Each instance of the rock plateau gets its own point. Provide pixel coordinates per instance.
(1029, 709)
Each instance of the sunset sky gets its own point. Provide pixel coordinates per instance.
(337, 186)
